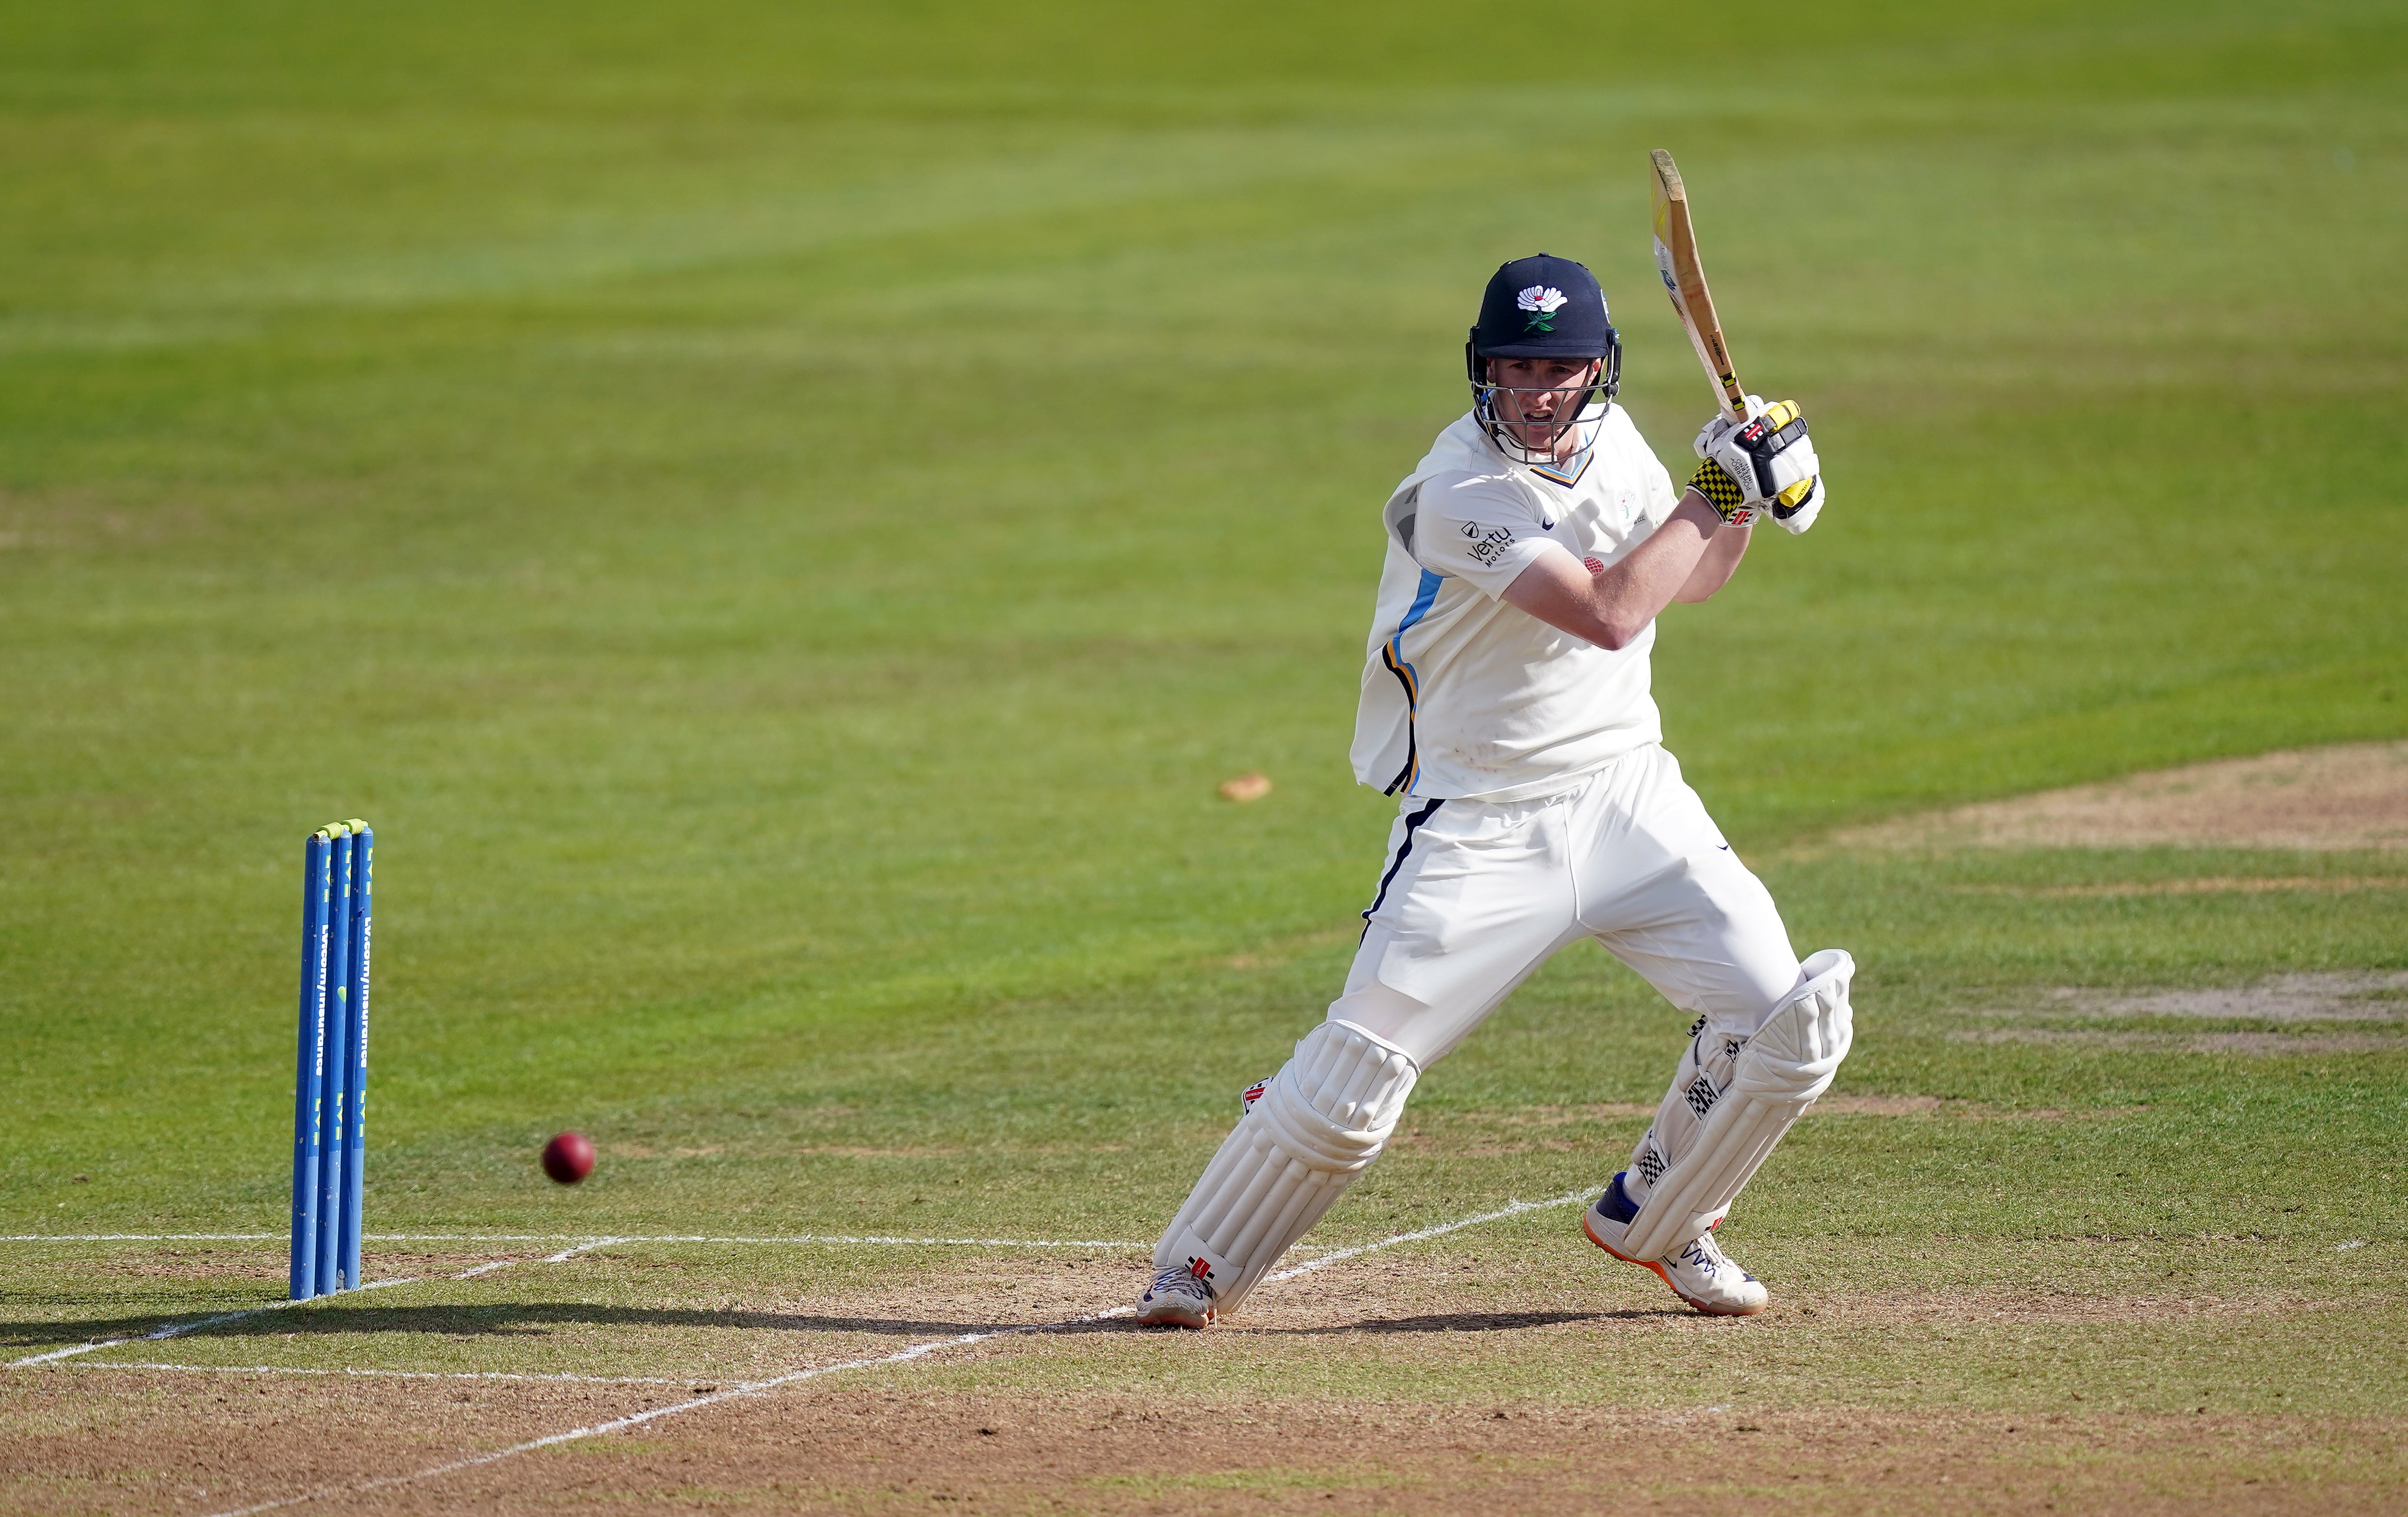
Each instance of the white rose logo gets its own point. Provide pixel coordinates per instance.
(1541, 301)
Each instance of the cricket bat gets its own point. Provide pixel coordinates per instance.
(1685, 280)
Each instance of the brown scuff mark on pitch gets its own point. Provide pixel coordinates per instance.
(2354, 795)
(2304, 1010)
(2249, 1043)
(2374, 995)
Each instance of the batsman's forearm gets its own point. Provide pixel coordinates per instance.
(1612, 607)
(1653, 575)
(1717, 564)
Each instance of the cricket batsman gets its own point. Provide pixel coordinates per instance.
(1505, 701)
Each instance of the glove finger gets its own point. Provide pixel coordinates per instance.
(1801, 516)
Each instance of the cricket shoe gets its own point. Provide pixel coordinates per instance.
(1698, 1271)
(1176, 1298)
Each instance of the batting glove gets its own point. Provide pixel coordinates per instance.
(1761, 465)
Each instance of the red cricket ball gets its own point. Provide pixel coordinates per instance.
(569, 1158)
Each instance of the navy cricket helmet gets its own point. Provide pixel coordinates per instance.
(1542, 306)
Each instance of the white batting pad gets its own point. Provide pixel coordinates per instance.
(1323, 1118)
(1775, 1077)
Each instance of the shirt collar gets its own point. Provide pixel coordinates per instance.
(1566, 472)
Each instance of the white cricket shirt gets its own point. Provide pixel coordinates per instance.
(1466, 698)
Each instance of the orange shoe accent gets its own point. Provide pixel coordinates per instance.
(1661, 1274)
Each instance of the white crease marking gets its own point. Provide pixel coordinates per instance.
(795, 1239)
(638, 1419)
(1512, 1209)
(562, 1257)
(397, 1374)
(139, 1237)
(181, 1328)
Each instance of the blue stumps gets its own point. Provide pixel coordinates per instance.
(310, 1071)
(330, 1068)
(355, 1048)
(336, 1086)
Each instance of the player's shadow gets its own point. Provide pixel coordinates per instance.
(1473, 1321)
(515, 1318)
(534, 1318)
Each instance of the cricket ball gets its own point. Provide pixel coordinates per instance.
(569, 1158)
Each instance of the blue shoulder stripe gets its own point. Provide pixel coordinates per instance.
(1392, 655)
(1422, 599)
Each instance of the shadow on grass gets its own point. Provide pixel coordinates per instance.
(534, 1319)
(521, 1319)
(1472, 1321)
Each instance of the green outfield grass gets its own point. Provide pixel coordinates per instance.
(781, 520)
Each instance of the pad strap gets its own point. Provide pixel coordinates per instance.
(1777, 1075)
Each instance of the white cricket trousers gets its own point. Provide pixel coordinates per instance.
(1475, 896)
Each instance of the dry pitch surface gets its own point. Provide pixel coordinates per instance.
(540, 1374)
(877, 1377)
(2354, 795)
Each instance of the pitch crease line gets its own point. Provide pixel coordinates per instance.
(918, 1350)
(796, 1239)
(1510, 1209)
(562, 1257)
(179, 1329)
(396, 1374)
(638, 1419)
(851, 1237)
(141, 1238)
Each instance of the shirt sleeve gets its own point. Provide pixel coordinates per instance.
(1479, 529)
